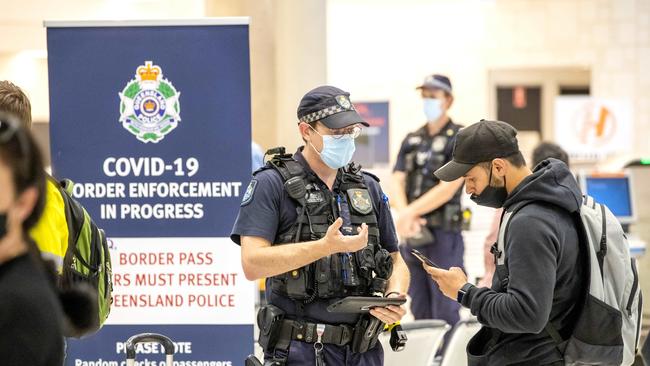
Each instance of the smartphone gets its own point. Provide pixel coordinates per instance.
(424, 259)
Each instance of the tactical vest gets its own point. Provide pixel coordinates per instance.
(362, 273)
(424, 155)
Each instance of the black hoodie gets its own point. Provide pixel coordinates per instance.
(545, 273)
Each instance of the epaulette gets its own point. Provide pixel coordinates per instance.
(265, 167)
(371, 175)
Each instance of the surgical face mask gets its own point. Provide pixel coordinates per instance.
(432, 108)
(491, 196)
(337, 150)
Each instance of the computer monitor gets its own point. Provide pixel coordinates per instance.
(614, 191)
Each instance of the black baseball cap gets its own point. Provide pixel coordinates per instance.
(329, 105)
(482, 141)
(436, 81)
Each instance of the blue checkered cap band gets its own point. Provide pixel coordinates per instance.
(318, 115)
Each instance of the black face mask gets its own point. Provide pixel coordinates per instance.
(3, 225)
(491, 196)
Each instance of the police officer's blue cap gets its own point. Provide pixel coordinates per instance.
(483, 141)
(436, 81)
(329, 105)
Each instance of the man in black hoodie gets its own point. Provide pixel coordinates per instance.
(545, 271)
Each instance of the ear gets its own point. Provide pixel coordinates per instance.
(499, 166)
(305, 130)
(25, 204)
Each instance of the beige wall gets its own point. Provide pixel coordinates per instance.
(381, 49)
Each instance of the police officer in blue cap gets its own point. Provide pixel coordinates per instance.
(319, 229)
(429, 214)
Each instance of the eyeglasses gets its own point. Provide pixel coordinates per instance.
(338, 133)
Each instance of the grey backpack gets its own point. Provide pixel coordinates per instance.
(607, 329)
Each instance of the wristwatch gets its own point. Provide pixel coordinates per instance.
(463, 291)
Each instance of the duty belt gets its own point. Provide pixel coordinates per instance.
(339, 335)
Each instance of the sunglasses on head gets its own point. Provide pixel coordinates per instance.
(10, 129)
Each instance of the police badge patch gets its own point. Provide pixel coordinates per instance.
(250, 191)
(360, 200)
(343, 101)
(149, 106)
(439, 143)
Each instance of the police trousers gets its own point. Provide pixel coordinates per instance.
(427, 302)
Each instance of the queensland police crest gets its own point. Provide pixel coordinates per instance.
(360, 200)
(149, 106)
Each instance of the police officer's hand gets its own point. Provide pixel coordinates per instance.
(450, 282)
(339, 243)
(391, 313)
(408, 224)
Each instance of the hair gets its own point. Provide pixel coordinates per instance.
(547, 150)
(23, 158)
(14, 101)
(517, 160)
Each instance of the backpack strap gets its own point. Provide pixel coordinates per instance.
(499, 249)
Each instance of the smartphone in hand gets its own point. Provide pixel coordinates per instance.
(424, 259)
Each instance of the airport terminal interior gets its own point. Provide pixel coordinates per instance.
(571, 72)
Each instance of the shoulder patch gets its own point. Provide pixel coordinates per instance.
(371, 175)
(250, 192)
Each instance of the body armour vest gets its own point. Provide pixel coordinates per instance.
(423, 156)
(362, 273)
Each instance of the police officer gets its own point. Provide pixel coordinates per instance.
(429, 215)
(320, 229)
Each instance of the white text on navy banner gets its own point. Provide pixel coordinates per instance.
(155, 167)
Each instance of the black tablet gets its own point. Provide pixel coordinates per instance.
(361, 304)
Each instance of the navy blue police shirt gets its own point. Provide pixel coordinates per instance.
(267, 210)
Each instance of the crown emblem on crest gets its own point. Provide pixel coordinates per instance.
(149, 105)
(148, 72)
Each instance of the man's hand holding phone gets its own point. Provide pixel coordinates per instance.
(450, 281)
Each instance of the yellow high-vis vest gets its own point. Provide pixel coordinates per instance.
(51, 232)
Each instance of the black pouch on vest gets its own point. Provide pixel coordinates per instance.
(366, 333)
(298, 283)
(366, 260)
(336, 279)
(269, 320)
(452, 217)
(323, 276)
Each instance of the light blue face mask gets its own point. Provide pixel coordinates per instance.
(337, 150)
(432, 109)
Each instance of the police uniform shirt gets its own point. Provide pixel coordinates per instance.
(267, 210)
(429, 153)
